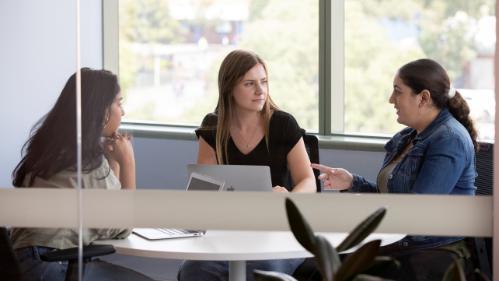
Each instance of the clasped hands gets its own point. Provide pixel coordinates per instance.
(118, 147)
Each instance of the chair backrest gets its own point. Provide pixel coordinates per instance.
(484, 168)
(312, 146)
(483, 182)
(9, 266)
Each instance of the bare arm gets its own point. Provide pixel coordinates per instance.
(115, 167)
(299, 166)
(122, 160)
(206, 154)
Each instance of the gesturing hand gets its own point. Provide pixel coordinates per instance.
(334, 178)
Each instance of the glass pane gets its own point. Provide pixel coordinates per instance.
(381, 36)
(170, 51)
(37, 114)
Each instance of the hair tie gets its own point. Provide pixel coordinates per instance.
(452, 92)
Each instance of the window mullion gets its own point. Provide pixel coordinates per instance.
(337, 74)
(324, 67)
(110, 35)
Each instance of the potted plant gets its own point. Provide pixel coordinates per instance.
(354, 267)
(362, 264)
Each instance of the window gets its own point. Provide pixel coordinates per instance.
(170, 51)
(381, 36)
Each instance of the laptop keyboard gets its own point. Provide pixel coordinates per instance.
(174, 231)
(165, 233)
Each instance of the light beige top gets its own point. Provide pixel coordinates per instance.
(62, 238)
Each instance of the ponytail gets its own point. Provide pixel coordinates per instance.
(459, 108)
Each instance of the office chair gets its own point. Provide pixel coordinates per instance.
(312, 146)
(482, 247)
(9, 267)
(484, 167)
(11, 271)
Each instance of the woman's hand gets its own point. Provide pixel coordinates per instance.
(334, 178)
(119, 148)
(278, 188)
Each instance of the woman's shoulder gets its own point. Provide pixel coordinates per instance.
(208, 127)
(284, 128)
(282, 119)
(398, 137)
(282, 115)
(210, 120)
(451, 132)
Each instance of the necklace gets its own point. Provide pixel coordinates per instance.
(247, 142)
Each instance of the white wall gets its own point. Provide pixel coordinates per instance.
(37, 55)
(162, 163)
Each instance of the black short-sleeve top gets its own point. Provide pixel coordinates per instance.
(284, 133)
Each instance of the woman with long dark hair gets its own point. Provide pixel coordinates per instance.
(50, 161)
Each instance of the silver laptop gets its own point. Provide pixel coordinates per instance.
(236, 177)
(197, 182)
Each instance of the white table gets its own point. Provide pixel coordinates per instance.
(236, 247)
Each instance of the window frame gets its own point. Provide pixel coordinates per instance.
(331, 82)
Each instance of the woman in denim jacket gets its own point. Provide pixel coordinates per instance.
(434, 155)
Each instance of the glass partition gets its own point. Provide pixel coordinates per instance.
(158, 70)
(38, 118)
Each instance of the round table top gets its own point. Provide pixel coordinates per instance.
(229, 245)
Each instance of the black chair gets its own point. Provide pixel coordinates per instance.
(482, 247)
(312, 146)
(11, 271)
(484, 167)
(9, 267)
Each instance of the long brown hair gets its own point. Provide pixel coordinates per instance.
(233, 68)
(51, 147)
(427, 74)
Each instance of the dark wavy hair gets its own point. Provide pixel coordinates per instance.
(427, 74)
(51, 147)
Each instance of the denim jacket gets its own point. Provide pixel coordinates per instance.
(441, 161)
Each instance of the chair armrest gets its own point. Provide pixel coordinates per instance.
(71, 254)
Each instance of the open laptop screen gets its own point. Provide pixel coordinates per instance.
(236, 177)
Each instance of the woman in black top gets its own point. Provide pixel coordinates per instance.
(248, 129)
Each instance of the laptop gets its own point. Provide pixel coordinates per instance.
(236, 177)
(197, 182)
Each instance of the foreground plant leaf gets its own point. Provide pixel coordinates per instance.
(300, 227)
(455, 272)
(366, 277)
(326, 257)
(362, 230)
(261, 275)
(358, 261)
(383, 264)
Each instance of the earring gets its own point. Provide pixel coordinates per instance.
(106, 121)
